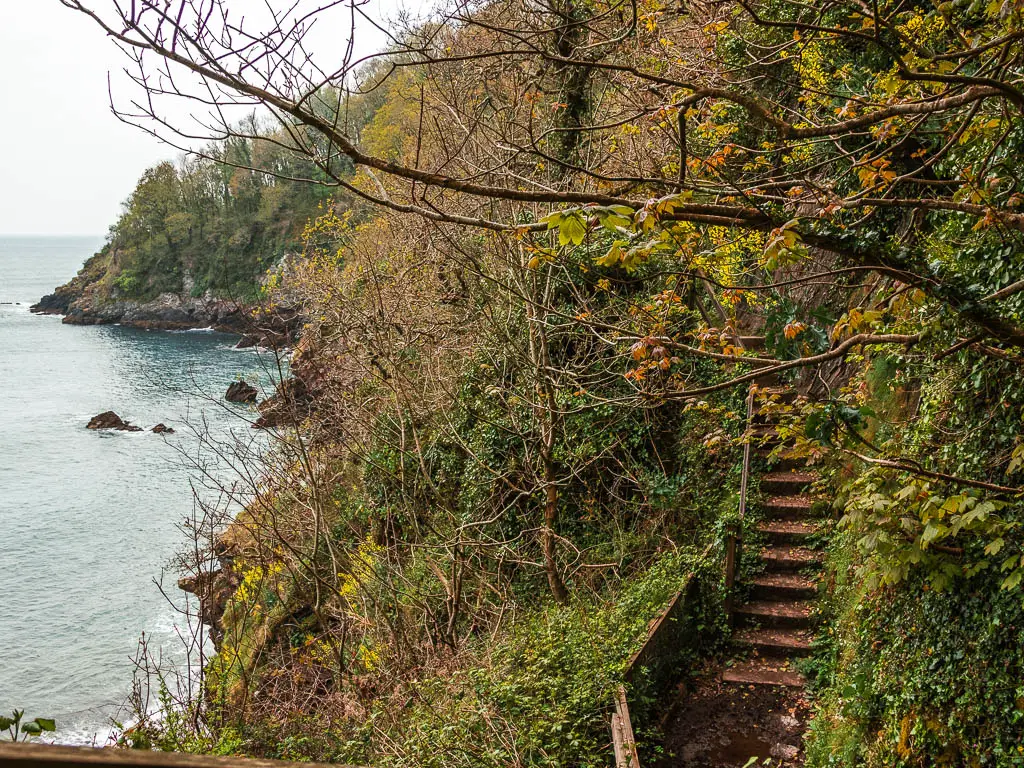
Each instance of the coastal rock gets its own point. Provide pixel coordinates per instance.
(59, 302)
(87, 305)
(163, 429)
(288, 405)
(215, 583)
(167, 312)
(275, 330)
(214, 589)
(53, 304)
(241, 392)
(93, 298)
(110, 420)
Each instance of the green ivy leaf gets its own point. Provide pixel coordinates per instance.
(1013, 580)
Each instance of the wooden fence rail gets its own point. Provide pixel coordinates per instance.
(734, 539)
(34, 755)
(667, 636)
(623, 740)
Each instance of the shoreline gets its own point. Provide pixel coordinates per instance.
(172, 312)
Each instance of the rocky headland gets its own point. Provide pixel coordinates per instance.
(89, 299)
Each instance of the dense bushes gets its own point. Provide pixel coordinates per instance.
(917, 677)
(524, 396)
(923, 661)
(542, 694)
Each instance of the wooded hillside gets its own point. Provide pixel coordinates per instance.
(518, 412)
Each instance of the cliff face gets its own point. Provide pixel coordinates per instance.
(90, 298)
(59, 302)
(168, 311)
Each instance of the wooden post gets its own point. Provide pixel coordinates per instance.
(622, 733)
(730, 573)
(618, 742)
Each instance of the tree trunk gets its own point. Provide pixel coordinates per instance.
(572, 83)
(545, 408)
(558, 590)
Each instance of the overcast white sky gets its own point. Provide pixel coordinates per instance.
(66, 162)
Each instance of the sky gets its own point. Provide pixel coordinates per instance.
(66, 162)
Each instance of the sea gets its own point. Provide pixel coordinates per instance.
(91, 522)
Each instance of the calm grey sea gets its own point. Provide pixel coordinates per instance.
(89, 520)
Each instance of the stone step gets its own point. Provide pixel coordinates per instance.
(779, 394)
(764, 440)
(762, 672)
(773, 394)
(790, 507)
(767, 380)
(790, 614)
(786, 558)
(783, 585)
(783, 464)
(753, 343)
(763, 433)
(765, 418)
(787, 483)
(771, 410)
(763, 423)
(788, 531)
(774, 643)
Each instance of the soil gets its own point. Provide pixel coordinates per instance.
(711, 724)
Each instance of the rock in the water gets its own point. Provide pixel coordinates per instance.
(110, 420)
(163, 429)
(241, 392)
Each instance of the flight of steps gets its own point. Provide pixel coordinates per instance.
(773, 628)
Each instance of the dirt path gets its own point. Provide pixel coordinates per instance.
(716, 724)
(752, 709)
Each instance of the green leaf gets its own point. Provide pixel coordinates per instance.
(932, 532)
(613, 256)
(46, 723)
(1013, 580)
(32, 728)
(572, 229)
(819, 427)
(5, 723)
(614, 221)
(552, 219)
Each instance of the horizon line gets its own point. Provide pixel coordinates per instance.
(52, 234)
